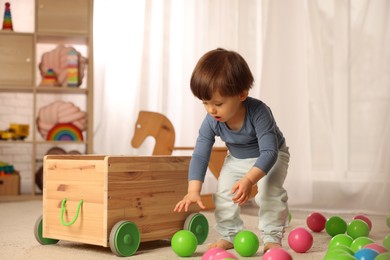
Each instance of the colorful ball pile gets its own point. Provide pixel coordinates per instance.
(354, 242)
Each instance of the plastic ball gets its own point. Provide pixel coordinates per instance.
(377, 247)
(210, 254)
(300, 240)
(224, 255)
(386, 242)
(316, 222)
(341, 248)
(335, 225)
(383, 256)
(365, 219)
(340, 239)
(184, 243)
(360, 242)
(277, 254)
(246, 243)
(366, 254)
(217, 254)
(358, 228)
(339, 256)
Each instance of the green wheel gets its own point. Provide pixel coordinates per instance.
(38, 234)
(124, 238)
(197, 223)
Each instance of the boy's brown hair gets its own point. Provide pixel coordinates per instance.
(223, 71)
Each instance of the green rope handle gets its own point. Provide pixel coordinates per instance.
(63, 209)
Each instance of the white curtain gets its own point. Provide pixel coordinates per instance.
(322, 66)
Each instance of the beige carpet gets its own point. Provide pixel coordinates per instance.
(17, 239)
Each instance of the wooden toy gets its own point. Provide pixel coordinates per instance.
(73, 68)
(115, 201)
(7, 22)
(49, 78)
(65, 132)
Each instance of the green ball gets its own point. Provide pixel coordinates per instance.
(383, 256)
(340, 239)
(246, 243)
(360, 242)
(339, 255)
(386, 242)
(289, 218)
(335, 225)
(184, 243)
(342, 248)
(358, 228)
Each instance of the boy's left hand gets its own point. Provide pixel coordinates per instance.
(242, 190)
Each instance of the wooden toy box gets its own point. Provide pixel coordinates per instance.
(143, 190)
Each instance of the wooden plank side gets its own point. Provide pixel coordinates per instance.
(74, 178)
(75, 157)
(75, 190)
(148, 163)
(144, 199)
(131, 176)
(86, 229)
(145, 190)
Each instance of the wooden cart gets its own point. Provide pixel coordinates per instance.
(115, 201)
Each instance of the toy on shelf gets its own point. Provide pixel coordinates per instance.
(67, 64)
(6, 169)
(61, 120)
(15, 132)
(49, 78)
(65, 132)
(73, 68)
(7, 22)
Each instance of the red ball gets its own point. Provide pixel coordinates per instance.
(300, 240)
(365, 219)
(316, 222)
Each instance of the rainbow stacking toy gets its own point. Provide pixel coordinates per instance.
(7, 22)
(73, 78)
(65, 132)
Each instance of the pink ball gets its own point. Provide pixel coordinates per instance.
(316, 222)
(277, 254)
(210, 254)
(300, 240)
(365, 219)
(217, 254)
(224, 255)
(377, 247)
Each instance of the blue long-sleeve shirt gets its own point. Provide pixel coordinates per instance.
(258, 137)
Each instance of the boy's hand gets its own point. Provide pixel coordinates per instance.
(242, 190)
(191, 197)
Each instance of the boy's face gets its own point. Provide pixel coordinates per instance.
(224, 109)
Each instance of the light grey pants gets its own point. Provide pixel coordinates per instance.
(271, 198)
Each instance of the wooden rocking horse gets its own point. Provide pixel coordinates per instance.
(160, 127)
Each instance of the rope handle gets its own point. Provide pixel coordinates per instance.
(63, 209)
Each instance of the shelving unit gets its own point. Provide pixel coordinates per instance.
(57, 22)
